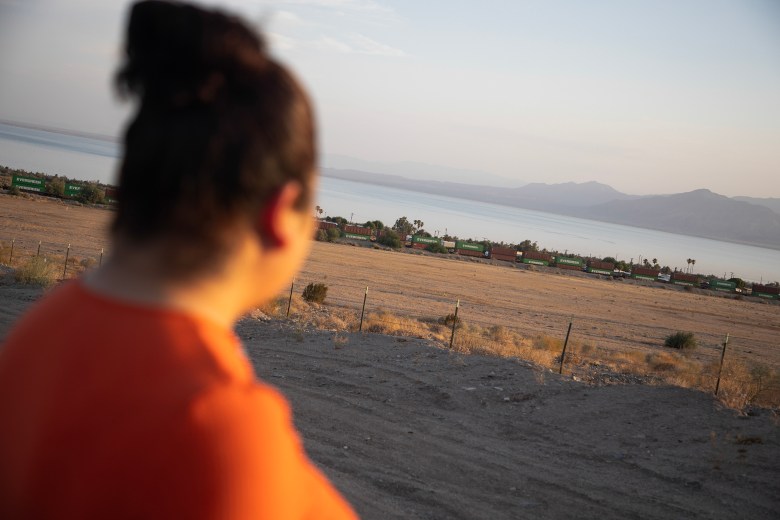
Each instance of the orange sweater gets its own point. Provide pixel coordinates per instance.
(113, 410)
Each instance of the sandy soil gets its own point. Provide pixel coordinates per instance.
(410, 430)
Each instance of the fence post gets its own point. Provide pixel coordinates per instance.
(11, 258)
(39, 249)
(100, 262)
(289, 301)
(454, 322)
(720, 370)
(65, 269)
(565, 342)
(362, 312)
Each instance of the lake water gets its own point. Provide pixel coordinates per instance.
(95, 159)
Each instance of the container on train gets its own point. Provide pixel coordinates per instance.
(358, 230)
(536, 258)
(722, 285)
(427, 241)
(569, 262)
(72, 190)
(469, 252)
(29, 183)
(599, 267)
(769, 292)
(461, 245)
(680, 278)
(422, 242)
(449, 244)
(112, 195)
(324, 224)
(644, 273)
(506, 254)
(355, 236)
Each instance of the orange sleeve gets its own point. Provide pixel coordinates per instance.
(261, 468)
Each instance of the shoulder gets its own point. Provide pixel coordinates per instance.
(247, 429)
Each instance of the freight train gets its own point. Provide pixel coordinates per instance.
(71, 190)
(576, 263)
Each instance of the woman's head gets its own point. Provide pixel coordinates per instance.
(221, 128)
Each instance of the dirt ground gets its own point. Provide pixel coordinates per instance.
(53, 222)
(408, 429)
(616, 314)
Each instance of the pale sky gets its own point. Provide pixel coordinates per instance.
(655, 96)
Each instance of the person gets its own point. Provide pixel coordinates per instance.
(125, 394)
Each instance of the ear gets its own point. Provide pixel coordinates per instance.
(277, 222)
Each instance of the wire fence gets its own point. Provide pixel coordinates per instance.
(724, 364)
(64, 259)
(741, 373)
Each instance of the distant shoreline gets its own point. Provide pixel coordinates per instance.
(64, 131)
(401, 183)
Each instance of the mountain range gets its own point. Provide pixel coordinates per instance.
(701, 213)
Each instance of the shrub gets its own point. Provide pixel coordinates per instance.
(333, 234)
(36, 271)
(14, 190)
(681, 341)
(437, 248)
(390, 239)
(543, 342)
(90, 194)
(451, 319)
(315, 292)
(56, 187)
(322, 235)
(88, 263)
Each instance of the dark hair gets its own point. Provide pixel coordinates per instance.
(220, 127)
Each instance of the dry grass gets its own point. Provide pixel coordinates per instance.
(36, 271)
(740, 386)
(384, 322)
(5, 251)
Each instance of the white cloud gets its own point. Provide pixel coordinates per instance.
(281, 42)
(286, 19)
(359, 44)
(328, 43)
(357, 5)
(366, 45)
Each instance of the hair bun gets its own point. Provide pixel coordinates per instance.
(178, 53)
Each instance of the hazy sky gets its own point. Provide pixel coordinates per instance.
(650, 96)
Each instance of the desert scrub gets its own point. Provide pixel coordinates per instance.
(36, 271)
(315, 292)
(88, 263)
(681, 341)
(451, 319)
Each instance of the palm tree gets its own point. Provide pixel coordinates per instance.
(693, 262)
(318, 211)
(689, 264)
